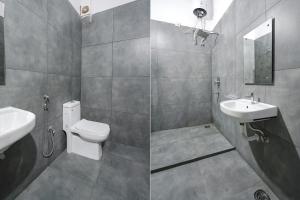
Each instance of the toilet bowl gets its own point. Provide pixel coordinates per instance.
(84, 137)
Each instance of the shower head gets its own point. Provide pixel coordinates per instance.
(200, 12)
(203, 34)
(200, 8)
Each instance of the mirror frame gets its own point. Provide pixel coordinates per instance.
(3, 73)
(273, 54)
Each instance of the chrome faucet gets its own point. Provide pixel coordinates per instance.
(251, 96)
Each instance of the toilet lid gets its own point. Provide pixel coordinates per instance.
(92, 131)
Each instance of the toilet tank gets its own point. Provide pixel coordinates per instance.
(71, 114)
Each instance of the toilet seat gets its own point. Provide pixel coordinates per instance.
(91, 131)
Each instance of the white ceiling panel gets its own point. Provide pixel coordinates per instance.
(181, 11)
(99, 5)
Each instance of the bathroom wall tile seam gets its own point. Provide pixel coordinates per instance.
(96, 76)
(284, 69)
(113, 13)
(180, 51)
(61, 2)
(114, 41)
(109, 16)
(65, 74)
(264, 13)
(145, 33)
(208, 100)
(273, 5)
(182, 78)
(9, 67)
(59, 74)
(118, 77)
(135, 38)
(114, 75)
(112, 63)
(163, 114)
(56, 27)
(246, 26)
(96, 44)
(32, 10)
(21, 67)
(110, 42)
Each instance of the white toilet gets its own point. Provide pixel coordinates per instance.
(83, 137)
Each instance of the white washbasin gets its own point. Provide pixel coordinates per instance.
(245, 111)
(14, 125)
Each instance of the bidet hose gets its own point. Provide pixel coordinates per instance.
(51, 132)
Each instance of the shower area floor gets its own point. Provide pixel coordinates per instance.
(222, 177)
(121, 174)
(198, 163)
(175, 147)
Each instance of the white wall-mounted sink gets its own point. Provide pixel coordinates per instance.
(14, 125)
(246, 111)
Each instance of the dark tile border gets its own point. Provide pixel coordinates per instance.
(190, 161)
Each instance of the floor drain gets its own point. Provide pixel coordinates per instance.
(207, 126)
(261, 195)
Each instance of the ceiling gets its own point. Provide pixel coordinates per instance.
(171, 11)
(99, 5)
(181, 11)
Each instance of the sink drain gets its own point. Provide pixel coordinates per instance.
(261, 195)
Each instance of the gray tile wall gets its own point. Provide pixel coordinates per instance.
(116, 72)
(43, 56)
(181, 78)
(277, 162)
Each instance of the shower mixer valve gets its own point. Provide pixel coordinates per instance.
(46, 102)
(218, 82)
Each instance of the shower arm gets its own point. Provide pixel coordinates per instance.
(193, 30)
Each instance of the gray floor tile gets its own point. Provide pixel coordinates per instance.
(249, 193)
(129, 152)
(179, 145)
(55, 184)
(161, 137)
(125, 178)
(121, 174)
(226, 176)
(104, 194)
(77, 166)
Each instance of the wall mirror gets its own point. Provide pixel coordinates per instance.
(258, 55)
(2, 49)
